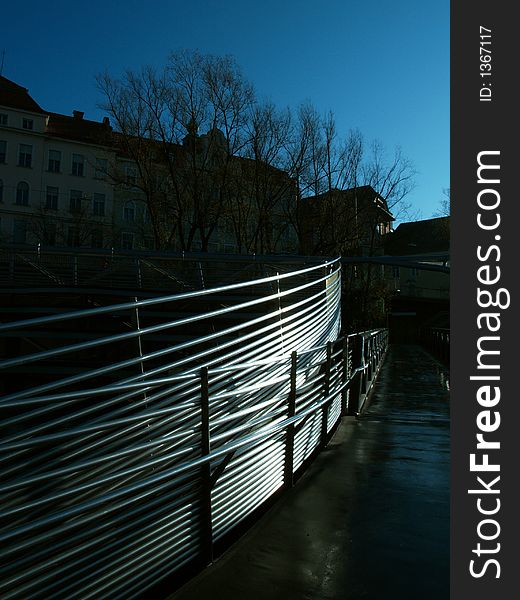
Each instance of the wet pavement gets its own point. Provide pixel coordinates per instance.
(370, 518)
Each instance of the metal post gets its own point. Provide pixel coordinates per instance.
(355, 388)
(326, 391)
(206, 518)
(75, 270)
(344, 379)
(289, 439)
(363, 364)
(139, 276)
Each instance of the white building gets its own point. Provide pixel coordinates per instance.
(53, 187)
(67, 181)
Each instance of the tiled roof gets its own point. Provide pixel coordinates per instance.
(79, 129)
(364, 193)
(13, 95)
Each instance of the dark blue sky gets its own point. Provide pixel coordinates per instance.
(382, 67)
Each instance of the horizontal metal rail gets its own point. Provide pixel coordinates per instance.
(138, 434)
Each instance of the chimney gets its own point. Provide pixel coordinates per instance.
(77, 114)
(106, 121)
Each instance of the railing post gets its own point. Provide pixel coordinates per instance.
(289, 439)
(206, 518)
(355, 388)
(344, 379)
(326, 391)
(139, 276)
(75, 270)
(364, 365)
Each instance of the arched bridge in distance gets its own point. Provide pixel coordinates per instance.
(152, 413)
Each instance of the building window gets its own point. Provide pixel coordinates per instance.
(97, 239)
(54, 161)
(3, 151)
(25, 155)
(99, 205)
(131, 175)
(20, 231)
(129, 211)
(1, 190)
(78, 165)
(101, 168)
(51, 199)
(127, 240)
(73, 237)
(27, 123)
(22, 194)
(395, 272)
(149, 242)
(49, 234)
(75, 201)
(3, 119)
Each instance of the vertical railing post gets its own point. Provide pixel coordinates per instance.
(75, 270)
(139, 275)
(134, 315)
(206, 517)
(326, 392)
(364, 365)
(289, 438)
(357, 364)
(344, 378)
(370, 358)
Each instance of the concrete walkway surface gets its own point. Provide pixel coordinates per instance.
(370, 517)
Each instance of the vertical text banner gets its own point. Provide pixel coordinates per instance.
(485, 323)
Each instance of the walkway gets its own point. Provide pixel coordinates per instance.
(370, 518)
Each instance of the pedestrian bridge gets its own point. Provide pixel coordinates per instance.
(139, 438)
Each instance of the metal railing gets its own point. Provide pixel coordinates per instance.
(437, 340)
(135, 436)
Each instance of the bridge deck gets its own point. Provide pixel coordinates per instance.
(370, 518)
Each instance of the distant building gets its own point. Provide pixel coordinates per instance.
(350, 222)
(51, 188)
(428, 240)
(69, 181)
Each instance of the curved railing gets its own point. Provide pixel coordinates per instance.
(136, 435)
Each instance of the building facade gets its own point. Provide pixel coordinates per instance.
(67, 181)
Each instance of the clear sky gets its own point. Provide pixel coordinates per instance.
(382, 67)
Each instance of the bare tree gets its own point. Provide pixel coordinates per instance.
(444, 209)
(158, 116)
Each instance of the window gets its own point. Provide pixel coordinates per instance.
(54, 165)
(127, 240)
(99, 205)
(25, 155)
(1, 190)
(22, 194)
(51, 200)
(75, 201)
(27, 123)
(78, 165)
(149, 242)
(97, 239)
(73, 237)
(129, 212)
(19, 231)
(3, 119)
(395, 272)
(131, 175)
(3, 151)
(101, 168)
(49, 234)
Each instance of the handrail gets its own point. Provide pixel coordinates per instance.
(141, 434)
